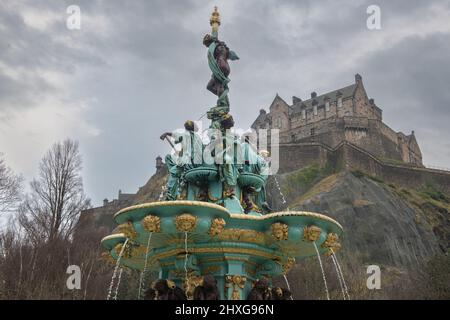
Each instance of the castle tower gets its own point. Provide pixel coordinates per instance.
(159, 163)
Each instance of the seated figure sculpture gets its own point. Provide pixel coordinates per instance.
(232, 158)
(189, 157)
(256, 163)
(164, 289)
(208, 290)
(260, 291)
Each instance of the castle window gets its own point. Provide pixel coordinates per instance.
(315, 109)
(339, 103)
(327, 106)
(313, 131)
(278, 122)
(303, 114)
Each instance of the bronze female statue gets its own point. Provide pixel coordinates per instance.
(221, 56)
(218, 56)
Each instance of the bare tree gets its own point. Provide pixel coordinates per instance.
(56, 199)
(10, 187)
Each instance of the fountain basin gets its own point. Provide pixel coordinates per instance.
(246, 180)
(218, 242)
(202, 174)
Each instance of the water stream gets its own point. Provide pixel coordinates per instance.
(323, 272)
(279, 189)
(116, 268)
(339, 276)
(342, 274)
(162, 194)
(145, 266)
(287, 285)
(186, 259)
(118, 284)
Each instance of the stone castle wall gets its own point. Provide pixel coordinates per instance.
(351, 157)
(101, 217)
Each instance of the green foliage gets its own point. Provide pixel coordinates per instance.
(396, 162)
(299, 180)
(361, 174)
(305, 176)
(358, 174)
(430, 191)
(428, 195)
(376, 179)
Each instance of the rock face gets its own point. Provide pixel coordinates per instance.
(403, 230)
(378, 225)
(152, 189)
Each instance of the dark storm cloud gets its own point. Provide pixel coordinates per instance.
(29, 51)
(140, 69)
(411, 81)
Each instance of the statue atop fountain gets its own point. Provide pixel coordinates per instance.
(218, 56)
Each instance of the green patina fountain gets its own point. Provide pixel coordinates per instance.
(214, 219)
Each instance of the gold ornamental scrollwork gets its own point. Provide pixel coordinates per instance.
(127, 252)
(186, 222)
(152, 223)
(217, 226)
(311, 233)
(242, 235)
(236, 282)
(192, 282)
(139, 251)
(127, 229)
(287, 266)
(332, 243)
(280, 231)
(107, 257)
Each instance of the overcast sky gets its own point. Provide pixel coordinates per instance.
(138, 68)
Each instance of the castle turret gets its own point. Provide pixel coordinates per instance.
(159, 163)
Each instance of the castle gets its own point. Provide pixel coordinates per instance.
(343, 115)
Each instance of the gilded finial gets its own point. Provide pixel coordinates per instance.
(214, 21)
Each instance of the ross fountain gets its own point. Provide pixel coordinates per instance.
(213, 219)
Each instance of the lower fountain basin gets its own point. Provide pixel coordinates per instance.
(206, 225)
